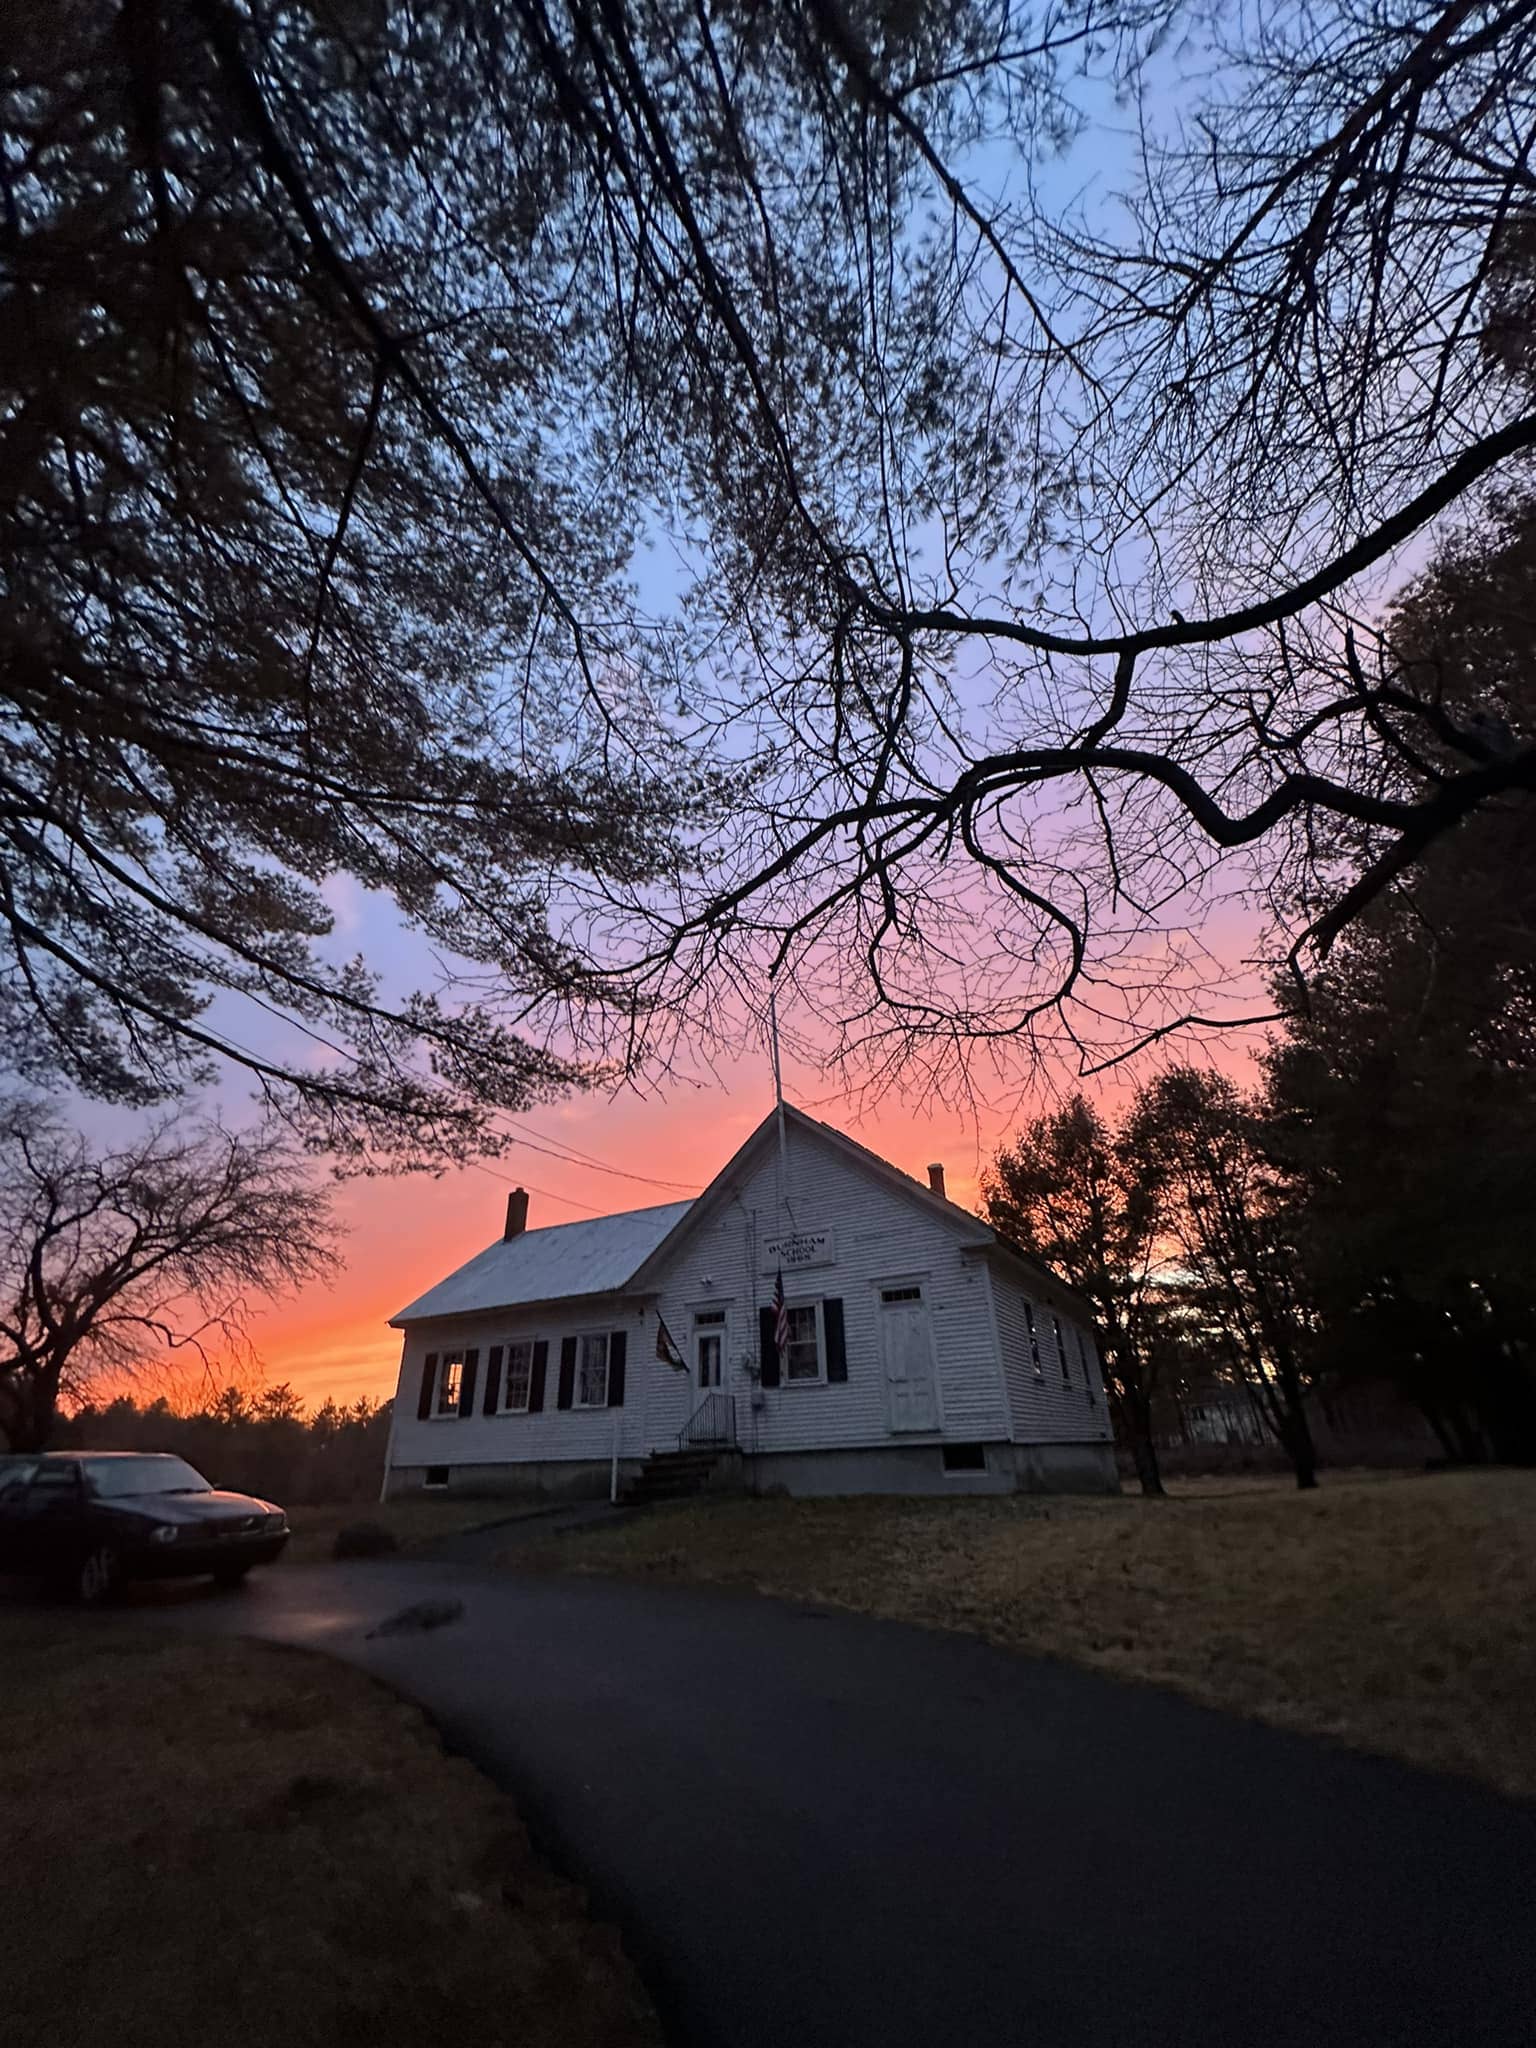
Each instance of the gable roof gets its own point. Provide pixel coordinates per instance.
(613, 1254)
(565, 1260)
(974, 1233)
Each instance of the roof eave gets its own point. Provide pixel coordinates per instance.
(625, 1290)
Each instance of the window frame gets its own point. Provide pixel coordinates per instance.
(1034, 1340)
(445, 1360)
(819, 1377)
(583, 1339)
(508, 1346)
(41, 1484)
(1061, 1352)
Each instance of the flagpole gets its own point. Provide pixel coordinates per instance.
(778, 1094)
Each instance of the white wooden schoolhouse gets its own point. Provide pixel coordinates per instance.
(917, 1351)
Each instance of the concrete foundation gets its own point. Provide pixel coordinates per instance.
(548, 1479)
(919, 1469)
(876, 1468)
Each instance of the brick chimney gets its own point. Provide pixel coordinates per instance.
(936, 1182)
(517, 1213)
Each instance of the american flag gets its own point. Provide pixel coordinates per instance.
(780, 1317)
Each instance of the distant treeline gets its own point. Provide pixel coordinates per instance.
(266, 1443)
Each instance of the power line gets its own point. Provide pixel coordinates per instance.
(567, 1157)
(596, 1166)
(549, 1195)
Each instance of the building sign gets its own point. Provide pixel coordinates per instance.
(799, 1248)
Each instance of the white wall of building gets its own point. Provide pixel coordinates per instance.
(1048, 1405)
(876, 1239)
(869, 1237)
(481, 1439)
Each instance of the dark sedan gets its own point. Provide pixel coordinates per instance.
(92, 1519)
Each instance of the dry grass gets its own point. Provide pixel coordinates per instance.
(1391, 1614)
(415, 1519)
(231, 1842)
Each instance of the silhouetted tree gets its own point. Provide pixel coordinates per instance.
(1403, 1093)
(1200, 1142)
(1068, 1191)
(110, 1260)
(352, 358)
(337, 1454)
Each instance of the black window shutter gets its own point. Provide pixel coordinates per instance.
(536, 1377)
(566, 1392)
(832, 1326)
(768, 1350)
(428, 1375)
(618, 1345)
(492, 1378)
(467, 1390)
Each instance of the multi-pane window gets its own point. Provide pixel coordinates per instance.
(450, 1381)
(802, 1355)
(1034, 1340)
(1061, 1353)
(592, 1371)
(519, 1376)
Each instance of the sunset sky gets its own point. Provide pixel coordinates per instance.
(404, 1234)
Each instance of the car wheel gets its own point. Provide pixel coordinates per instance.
(231, 1575)
(99, 1576)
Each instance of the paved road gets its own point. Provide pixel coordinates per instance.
(820, 1829)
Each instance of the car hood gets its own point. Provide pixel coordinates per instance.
(190, 1509)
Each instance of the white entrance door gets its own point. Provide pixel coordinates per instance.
(906, 1349)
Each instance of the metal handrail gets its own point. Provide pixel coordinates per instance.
(712, 1422)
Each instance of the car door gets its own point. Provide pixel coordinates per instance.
(47, 1522)
(14, 1475)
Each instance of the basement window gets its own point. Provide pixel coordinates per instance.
(437, 1475)
(963, 1457)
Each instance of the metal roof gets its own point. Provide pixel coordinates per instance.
(564, 1261)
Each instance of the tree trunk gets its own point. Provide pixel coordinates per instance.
(1144, 1452)
(28, 1401)
(1303, 1455)
(1136, 1411)
(1294, 1430)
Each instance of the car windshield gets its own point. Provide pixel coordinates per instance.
(109, 1477)
(15, 1472)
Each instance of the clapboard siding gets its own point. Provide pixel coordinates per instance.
(1044, 1407)
(878, 1238)
(718, 1260)
(556, 1433)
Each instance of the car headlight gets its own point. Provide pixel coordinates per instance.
(166, 1533)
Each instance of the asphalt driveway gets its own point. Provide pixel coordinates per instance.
(823, 1829)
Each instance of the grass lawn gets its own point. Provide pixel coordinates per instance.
(1392, 1613)
(228, 1842)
